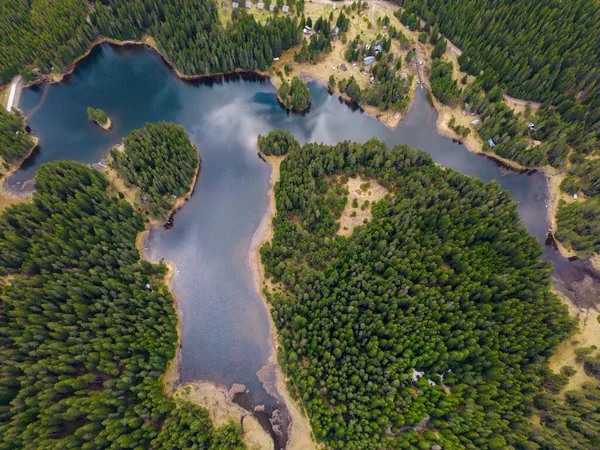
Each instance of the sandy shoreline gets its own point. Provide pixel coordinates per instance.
(106, 126)
(299, 431)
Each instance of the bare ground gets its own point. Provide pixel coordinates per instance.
(353, 217)
(588, 335)
(219, 402)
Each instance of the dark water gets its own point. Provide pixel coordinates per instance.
(225, 327)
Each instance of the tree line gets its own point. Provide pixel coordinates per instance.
(15, 143)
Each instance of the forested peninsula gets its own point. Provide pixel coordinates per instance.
(161, 164)
(429, 325)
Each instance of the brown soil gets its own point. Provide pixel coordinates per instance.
(519, 106)
(271, 375)
(588, 335)
(106, 126)
(353, 217)
(219, 403)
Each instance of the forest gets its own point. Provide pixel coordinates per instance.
(546, 51)
(579, 225)
(443, 86)
(277, 143)
(295, 95)
(431, 324)
(319, 42)
(40, 36)
(161, 162)
(87, 327)
(15, 144)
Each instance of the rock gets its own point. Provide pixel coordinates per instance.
(236, 389)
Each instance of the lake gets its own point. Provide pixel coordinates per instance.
(225, 328)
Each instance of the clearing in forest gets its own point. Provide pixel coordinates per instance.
(361, 195)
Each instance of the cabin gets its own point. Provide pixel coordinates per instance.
(475, 122)
(378, 48)
(531, 126)
(491, 142)
(285, 8)
(260, 5)
(248, 5)
(369, 60)
(343, 67)
(276, 58)
(235, 5)
(307, 30)
(272, 8)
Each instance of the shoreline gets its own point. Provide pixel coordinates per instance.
(9, 197)
(299, 430)
(214, 397)
(106, 127)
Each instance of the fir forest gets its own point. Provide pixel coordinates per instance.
(290, 224)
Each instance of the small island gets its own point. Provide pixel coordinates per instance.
(100, 117)
(294, 96)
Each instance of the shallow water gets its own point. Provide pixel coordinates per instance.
(225, 335)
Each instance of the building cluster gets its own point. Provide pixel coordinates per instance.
(248, 5)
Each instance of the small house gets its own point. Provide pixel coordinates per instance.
(491, 142)
(367, 47)
(248, 5)
(575, 196)
(235, 5)
(285, 8)
(307, 29)
(276, 58)
(384, 27)
(369, 60)
(272, 8)
(475, 122)
(260, 5)
(378, 48)
(343, 67)
(531, 126)
(335, 29)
